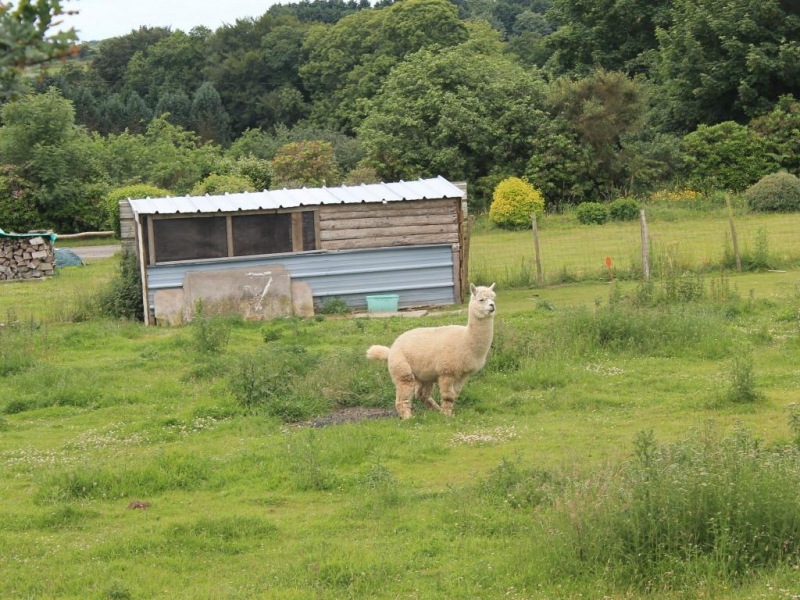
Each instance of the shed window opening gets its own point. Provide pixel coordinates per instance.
(195, 238)
(190, 238)
(262, 234)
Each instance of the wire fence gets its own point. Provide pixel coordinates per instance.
(570, 253)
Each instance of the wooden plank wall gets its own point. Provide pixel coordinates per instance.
(127, 226)
(401, 223)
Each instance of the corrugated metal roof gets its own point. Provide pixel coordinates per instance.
(422, 189)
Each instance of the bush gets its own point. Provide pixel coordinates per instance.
(623, 209)
(778, 192)
(307, 163)
(210, 334)
(274, 383)
(220, 184)
(133, 192)
(726, 156)
(123, 297)
(363, 173)
(592, 213)
(258, 171)
(513, 202)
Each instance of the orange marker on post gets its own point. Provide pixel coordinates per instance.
(610, 271)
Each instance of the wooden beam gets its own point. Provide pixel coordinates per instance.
(297, 232)
(390, 242)
(151, 241)
(229, 234)
(393, 221)
(390, 232)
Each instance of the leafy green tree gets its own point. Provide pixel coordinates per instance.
(256, 170)
(115, 53)
(726, 156)
(209, 118)
(175, 62)
(727, 60)
(112, 115)
(602, 110)
(80, 85)
(166, 156)
(562, 165)
(528, 38)
(254, 65)
(333, 69)
(309, 164)
(349, 61)
(56, 162)
(17, 203)
(25, 40)
(258, 143)
(176, 107)
(220, 184)
(322, 11)
(137, 113)
(780, 131)
(616, 35)
(87, 109)
(461, 112)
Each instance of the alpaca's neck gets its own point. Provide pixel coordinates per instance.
(479, 334)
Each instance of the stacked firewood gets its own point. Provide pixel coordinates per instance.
(26, 258)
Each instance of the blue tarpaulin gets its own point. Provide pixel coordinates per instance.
(49, 234)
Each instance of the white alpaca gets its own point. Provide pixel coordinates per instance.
(446, 355)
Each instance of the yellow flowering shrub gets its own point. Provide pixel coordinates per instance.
(513, 201)
(673, 196)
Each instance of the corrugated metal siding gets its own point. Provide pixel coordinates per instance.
(422, 189)
(419, 275)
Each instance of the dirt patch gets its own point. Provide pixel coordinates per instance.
(354, 414)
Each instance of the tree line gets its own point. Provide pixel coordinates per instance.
(590, 100)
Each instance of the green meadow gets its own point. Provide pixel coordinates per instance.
(626, 440)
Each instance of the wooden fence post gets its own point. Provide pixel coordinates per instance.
(536, 250)
(734, 238)
(645, 247)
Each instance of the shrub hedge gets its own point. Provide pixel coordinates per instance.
(777, 192)
(592, 213)
(513, 202)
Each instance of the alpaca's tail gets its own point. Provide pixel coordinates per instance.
(378, 353)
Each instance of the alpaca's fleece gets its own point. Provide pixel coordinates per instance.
(422, 357)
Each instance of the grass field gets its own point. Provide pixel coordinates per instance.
(570, 252)
(623, 442)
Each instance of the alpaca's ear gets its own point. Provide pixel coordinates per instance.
(491, 287)
(472, 288)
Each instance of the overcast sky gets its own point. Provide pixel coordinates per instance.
(102, 19)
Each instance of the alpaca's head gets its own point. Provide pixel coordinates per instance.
(481, 305)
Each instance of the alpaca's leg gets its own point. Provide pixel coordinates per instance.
(448, 391)
(424, 393)
(405, 392)
(404, 383)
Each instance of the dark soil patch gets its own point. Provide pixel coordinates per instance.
(354, 414)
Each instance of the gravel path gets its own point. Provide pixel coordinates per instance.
(90, 252)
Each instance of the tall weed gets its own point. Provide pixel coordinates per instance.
(723, 507)
(741, 378)
(122, 298)
(210, 335)
(273, 382)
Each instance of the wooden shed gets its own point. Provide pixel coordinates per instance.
(350, 242)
